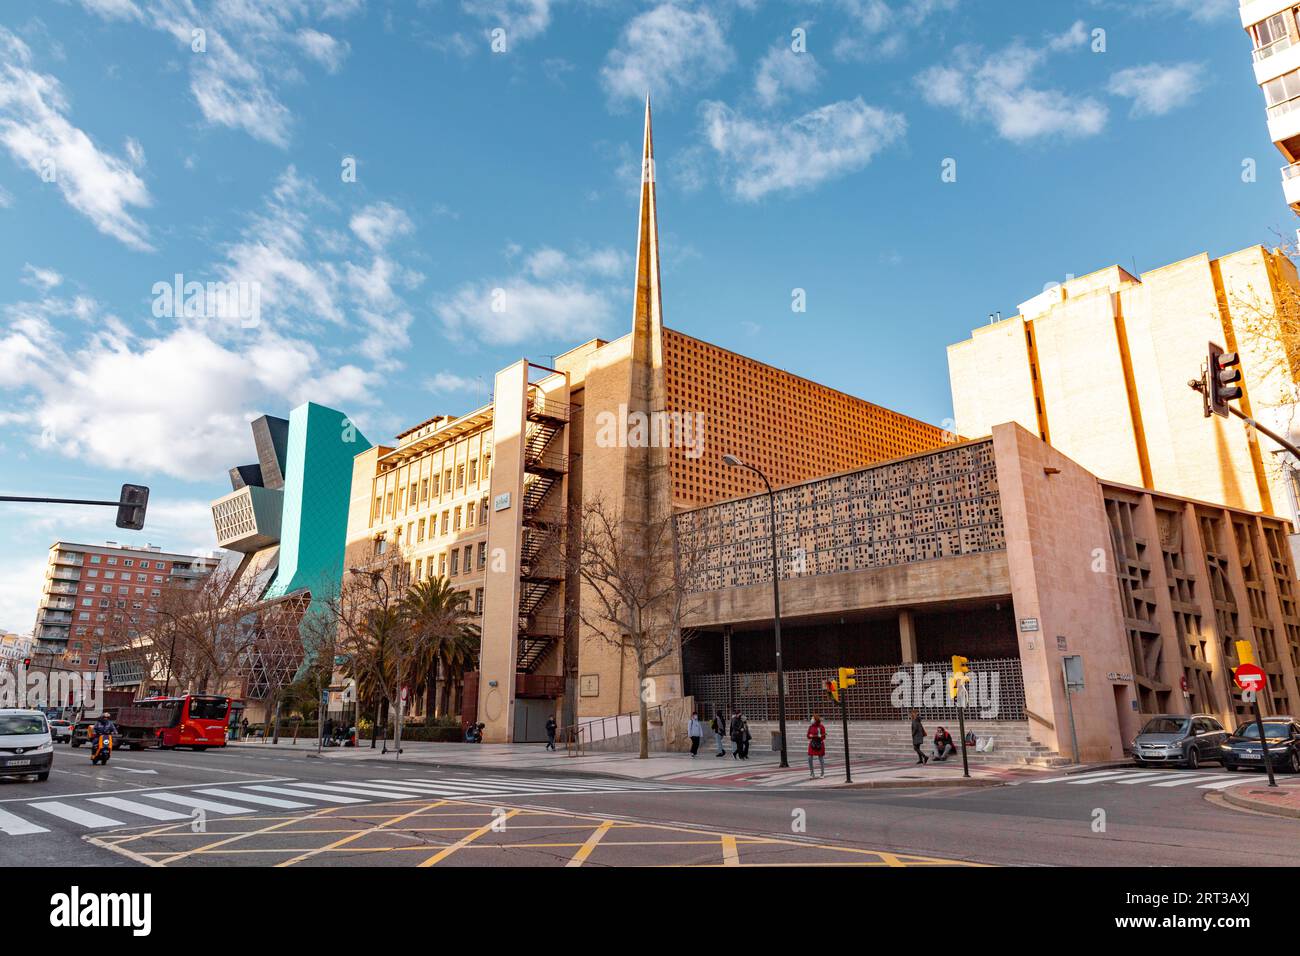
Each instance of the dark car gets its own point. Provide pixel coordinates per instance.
(1243, 749)
(1184, 739)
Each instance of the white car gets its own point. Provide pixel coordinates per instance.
(26, 746)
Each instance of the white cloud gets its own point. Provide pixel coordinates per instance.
(39, 278)
(1156, 88)
(113, 9)
(36, 131)
(997, 89)
(326, 50)
(379, 223)
(1204, 11)
(879, 29)
(762, 157)
(446, 382)
(666, 50)
(782, 71)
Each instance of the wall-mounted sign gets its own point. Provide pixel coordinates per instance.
(1114, 675)
(501, 502)
(1060, 642)
(589, 685)
(1029, 623)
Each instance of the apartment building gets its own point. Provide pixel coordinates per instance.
(1275, 38)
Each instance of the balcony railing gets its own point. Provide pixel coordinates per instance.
(1278, 110)
(1268, 49)
(1290, 172)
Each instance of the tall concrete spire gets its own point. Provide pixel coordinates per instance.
(647, 316)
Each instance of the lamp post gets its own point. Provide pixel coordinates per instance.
(735, 462)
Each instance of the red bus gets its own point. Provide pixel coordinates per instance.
(194, 720)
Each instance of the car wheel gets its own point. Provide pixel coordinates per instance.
(42, 777)
(1193, 758)
(1295, 761)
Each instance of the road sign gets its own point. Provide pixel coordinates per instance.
(1249, 677)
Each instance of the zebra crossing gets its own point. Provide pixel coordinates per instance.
(1201, 780)
(175, 805)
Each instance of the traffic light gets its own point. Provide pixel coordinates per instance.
(1245, 653)
(27, 663)
(960, 675)
(131, 507)
(832, 690)
(1223, 371)
(846, 678)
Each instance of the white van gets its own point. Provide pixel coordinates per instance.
(26, 747)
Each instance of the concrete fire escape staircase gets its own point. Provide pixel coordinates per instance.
(541, 557)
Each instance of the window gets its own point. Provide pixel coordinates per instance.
(388, 504)
(469, 515)
(424, 490)
(473, 470)
(94, 559)
(460, 476)
(469, 558)
(379, 509)
(83, 616)
(455, 562)
(446, 521)
(157, 579)
(483, 509)
(112, 560)
(446, 480)
(421, 530)
(414, 496)
(92, 573)
(478, 600)
(86, 602)
(416, 569)
(128, 563)
(455, 525)
(1270, 31)
(437, 483)
(145, 565)
(1280, 94)
(142, 578)
(110, 574)
(381, 545)
(90, 588)
(442, 565)
(482, 555)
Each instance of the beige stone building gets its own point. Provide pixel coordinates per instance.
(1098, 367)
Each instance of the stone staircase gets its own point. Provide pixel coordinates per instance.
(889, 739)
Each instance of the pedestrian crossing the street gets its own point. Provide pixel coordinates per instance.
(86, 812)
(1207, 780)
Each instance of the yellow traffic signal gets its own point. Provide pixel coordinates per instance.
(961, 666)
(1245, 654)
(846, 678)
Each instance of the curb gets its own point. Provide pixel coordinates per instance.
(1236, 801)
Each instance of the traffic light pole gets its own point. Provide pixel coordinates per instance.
(1263, 741)
(130, 505)
(844, 720)
(1198, 384)
(961, 729)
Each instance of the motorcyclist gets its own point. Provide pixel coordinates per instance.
(104, 728)
(104, 725)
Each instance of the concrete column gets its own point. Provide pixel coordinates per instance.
(726, 669)
(907, 637)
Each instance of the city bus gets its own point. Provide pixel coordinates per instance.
(193, 720)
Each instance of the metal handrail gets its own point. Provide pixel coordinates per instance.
(574, 745)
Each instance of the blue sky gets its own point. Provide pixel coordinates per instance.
(133, 148)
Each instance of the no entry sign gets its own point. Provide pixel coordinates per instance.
(1249, 677)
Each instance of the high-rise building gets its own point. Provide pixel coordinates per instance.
(97, 596)
(1275, 36)
(1099, 367)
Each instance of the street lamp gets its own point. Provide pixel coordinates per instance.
(735, 462)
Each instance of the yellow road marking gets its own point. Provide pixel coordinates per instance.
(356, 836)
(464, 841)
(596, 836)
(242, 836)
(730, 855)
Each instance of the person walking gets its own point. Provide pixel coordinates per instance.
(918, 737)
(816, 744)
(550, 732)
(745, 738)
(695, 730)
(736, 731)
(719, 728)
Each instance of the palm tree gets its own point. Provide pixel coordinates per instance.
(448, 641)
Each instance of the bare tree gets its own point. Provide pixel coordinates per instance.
(635, 593)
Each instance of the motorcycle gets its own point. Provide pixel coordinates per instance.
(103, 749)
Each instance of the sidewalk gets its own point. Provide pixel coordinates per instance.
(1282, 800)
(761, 770)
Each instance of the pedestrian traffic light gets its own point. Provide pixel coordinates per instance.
(1222, 372)
(846, 678)
(832, 690)
(1245, 653)
(131, 507)
(27, 663)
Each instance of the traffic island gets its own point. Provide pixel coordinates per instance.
(1281, 801)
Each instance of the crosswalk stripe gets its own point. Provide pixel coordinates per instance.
(1105, 777)
(140, 809)
(17, 826)
(66, 811)
(486, 789)
(354, 790)
(1197, 778)
(253, 798)
(1221, 784)
(1141, 776)
(1082, 776)
(210, 805)
(326, 797)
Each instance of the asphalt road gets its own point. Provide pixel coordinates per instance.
(243, 807)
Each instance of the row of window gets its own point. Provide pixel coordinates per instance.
(129, 562)
(112, 575)
(450, 562)
(122, 589)
(420, 492)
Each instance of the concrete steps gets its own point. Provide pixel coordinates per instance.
(893, 740)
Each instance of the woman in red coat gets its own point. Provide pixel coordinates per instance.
(816, 745)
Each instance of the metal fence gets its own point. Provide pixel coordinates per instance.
(996, 691)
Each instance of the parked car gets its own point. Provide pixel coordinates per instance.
(61, 730)
(1184, 739)
(26, 747)
(1243, 749)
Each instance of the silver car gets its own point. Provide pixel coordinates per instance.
(1184, 739)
